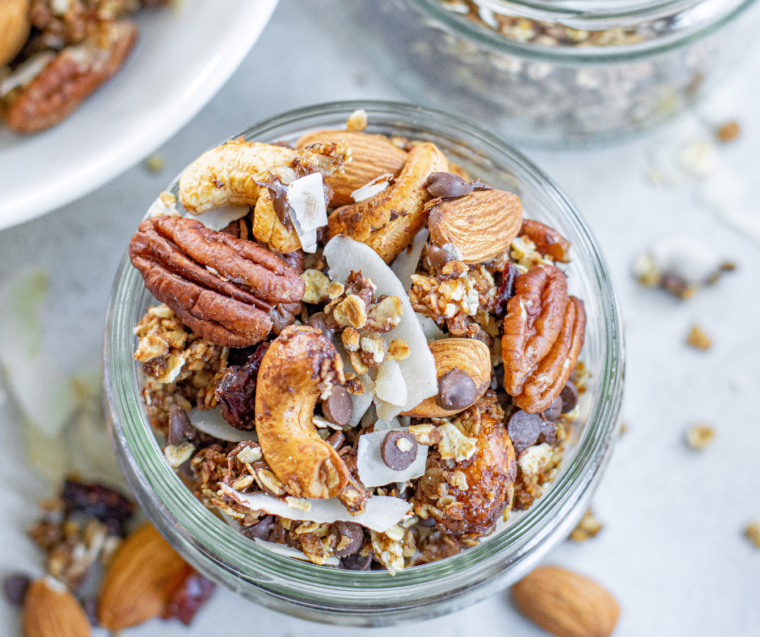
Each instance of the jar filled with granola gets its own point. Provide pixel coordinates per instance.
(553, 74)
(363, 458)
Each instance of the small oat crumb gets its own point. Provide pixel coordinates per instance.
(729, 131)
(587, 528)
(398, 350)
(154, 163)
(623, 428)
(698, 339)
(753, 533)
(699, 436)
(357, 121)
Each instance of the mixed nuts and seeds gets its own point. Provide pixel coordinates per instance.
(361, 356)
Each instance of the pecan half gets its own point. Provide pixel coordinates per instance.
(552, 373)
(549, 242)
(221, 287)
(300, 366)
(535, 315)
(75, 73)
(389, 221)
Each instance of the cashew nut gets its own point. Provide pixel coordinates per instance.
(14, 28)
(268, 228)
(228, 174)
(299, 366)
(389, 221)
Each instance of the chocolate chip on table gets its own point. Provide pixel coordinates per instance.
(15, 586)
(447, 185)
(338, 408)
(260, 530)
(506, 290)
(398, 450)
(107, 505)
(438, 257)
(181, 429)
(524, 429)
(456, 390)
(569, 396)
(350, 538)
(335, 439)
(553, 411)
(357, 562)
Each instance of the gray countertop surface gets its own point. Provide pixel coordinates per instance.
(672, 549)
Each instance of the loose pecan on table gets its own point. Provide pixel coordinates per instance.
(221, 287)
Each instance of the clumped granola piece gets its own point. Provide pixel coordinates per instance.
(698, 338)
(587, 528)
(699, 436)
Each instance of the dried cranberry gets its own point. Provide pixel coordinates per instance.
(236, 392)
(190, 598)
(107, 505)
(506, 290)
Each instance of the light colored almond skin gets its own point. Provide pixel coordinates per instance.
(51, 611)
(14, 28)
(480, 225)
(566, 604)
(144, 574)
(371, 156)
(470, 356)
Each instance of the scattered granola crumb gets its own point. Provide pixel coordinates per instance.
(698, 339)
(699, 436)
(623, 428)
(752, 532)
(729, 131)
(587, 528)
(154, 163)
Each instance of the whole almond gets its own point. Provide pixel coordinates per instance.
(51, 611)
(371, 156)
(144, 574)
(479, 225)
(566, 604)
(468, 355)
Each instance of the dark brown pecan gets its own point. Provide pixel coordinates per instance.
(548, 241)
(534, 319)
(221, 287)
(550, 376)
(75, 73)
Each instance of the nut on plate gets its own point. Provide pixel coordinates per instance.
(371, 157)
(50, 610)
(469, 357)
(299, 367)
(566, 604)
(389, 221)
(14, 28)
(479, 225)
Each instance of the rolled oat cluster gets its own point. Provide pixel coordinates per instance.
(361, 355)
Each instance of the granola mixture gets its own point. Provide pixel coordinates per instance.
(368, 384)
(54, 53)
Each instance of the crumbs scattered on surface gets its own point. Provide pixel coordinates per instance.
(587, 528)
(699, 436)
(728, 131)
(154, 163)
(698, 338)
(752, 533)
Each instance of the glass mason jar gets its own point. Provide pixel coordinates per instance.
(375, 598)
(548, 73)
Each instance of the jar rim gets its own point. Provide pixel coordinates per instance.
(194, 529)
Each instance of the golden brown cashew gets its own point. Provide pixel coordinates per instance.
(14, 28)
(298, 367)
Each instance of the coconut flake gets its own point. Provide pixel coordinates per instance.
(387, 425)
(430, 328)
(362, 402)
(220, 218)
(368, 190)
(306, 197)
(418, 370)
(210, 422)
(289, 551)
(373, 472)
(390, 386)
(26, 72)
(405, 264)
(381, 512)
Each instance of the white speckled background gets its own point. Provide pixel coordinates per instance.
(672, 550)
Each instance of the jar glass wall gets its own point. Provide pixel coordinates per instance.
(375, 598)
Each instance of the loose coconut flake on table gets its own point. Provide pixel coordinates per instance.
(345, 255)
(210, 422)
(373, 472)
(381, 512)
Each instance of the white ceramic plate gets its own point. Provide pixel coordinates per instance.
(181, 60)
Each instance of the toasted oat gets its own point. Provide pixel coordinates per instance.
(317, 286)
(752, 532)
(728, 132)
(587, 528)
(698, 339)
(398, 350)
(699, 436)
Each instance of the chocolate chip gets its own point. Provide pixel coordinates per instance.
(553, 411)
(357, 562)
(506, 290)
(446, 185)
(323, 322)
(548, 432)
(16, 586)
(335, 439)
(107, 505)
(524, 429)
(398, 450)
(260, 530)
(456, 390)
(90, 607)
(180, 428)
(338, 408)
(354, 534)
(438, 257)
(569, 396)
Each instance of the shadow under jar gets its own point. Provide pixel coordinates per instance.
(375, 598)
(553, 74)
